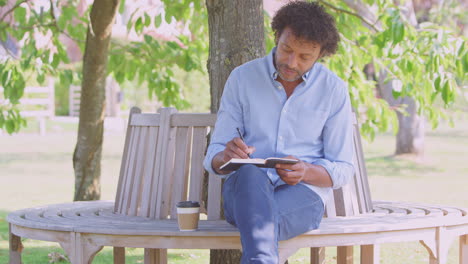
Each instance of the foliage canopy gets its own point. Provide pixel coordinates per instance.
(429, 60)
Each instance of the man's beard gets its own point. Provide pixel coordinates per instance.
(285, 67)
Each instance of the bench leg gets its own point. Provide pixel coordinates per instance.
(438, 248)
(344, 255)
(155, 256)
(42, 126)
(285, 253)
(15, 247)
(80, 251)
(119, 255)
(370, 254)
(464, 249)
(317, 255)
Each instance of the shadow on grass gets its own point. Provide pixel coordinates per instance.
(9, 158)
(393, 166)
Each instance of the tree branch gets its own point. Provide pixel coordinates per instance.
(349, 13)
(12, 9)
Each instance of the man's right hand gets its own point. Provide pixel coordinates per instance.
(235, 149)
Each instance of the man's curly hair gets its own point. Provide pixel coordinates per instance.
(309, 21)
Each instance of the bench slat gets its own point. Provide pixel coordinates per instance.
(161, 155)
(146, 120)
(180, 168)
(168, 175)
(144, 154)
(193, 120)
(362, 179)
(128, 171)
(122, 176)
(148, 172)
(197, 170)
(214, 197)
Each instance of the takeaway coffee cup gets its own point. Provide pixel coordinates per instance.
(188, 215)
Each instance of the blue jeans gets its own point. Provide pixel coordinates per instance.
(265, 214)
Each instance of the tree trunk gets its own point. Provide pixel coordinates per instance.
(410, 136)
(236, 36)
(87, 155)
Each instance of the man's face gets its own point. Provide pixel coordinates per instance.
(294, 56)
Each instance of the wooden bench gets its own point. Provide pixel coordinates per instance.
(39, 103)
(162, 164)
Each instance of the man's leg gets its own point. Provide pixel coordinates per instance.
(299, 210)
(249, 204)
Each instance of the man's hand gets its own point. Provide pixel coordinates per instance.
(235, 149)
(292, 174)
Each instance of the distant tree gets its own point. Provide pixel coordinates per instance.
(37, 28)
(88, 150)
(416, 65)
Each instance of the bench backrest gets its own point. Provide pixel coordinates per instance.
(162, 164)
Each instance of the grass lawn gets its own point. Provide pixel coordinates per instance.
(37, 170)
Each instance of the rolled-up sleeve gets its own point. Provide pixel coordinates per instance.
(229, 118)
(338, 140)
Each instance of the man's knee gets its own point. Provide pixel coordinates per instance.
(251, 175)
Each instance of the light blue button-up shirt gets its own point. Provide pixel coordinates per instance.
(314, 124)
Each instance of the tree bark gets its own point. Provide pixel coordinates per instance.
(236, 36)
(410, 136)
(88, 150)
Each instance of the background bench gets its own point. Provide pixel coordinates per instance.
(162, 164)
(39, 103)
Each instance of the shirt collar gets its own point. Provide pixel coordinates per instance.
(274, 73)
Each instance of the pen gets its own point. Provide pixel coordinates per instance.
(241, 137)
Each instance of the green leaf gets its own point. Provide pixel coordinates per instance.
(168, 17)
(139, 26)
(173, 45)
(3, 33)
(6, 77)
(40, 78)
(438, 83)
(10, 126)
(147, 20)
(20, 14)
(3, 2)
(448, 93)
(398, 30)
(148, 39)
(55, 60)
(158, 21)
(122, 7)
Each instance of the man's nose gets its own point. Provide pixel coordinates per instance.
(292, 61)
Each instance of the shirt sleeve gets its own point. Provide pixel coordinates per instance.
(229, 117)
(338, 140)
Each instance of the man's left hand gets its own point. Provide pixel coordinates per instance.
(292, 174)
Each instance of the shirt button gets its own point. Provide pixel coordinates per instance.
(280, 137)
(284, 111)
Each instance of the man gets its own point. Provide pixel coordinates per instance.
(285, 105)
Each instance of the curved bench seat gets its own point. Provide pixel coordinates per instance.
(98, 225)
(162, 165)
